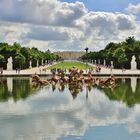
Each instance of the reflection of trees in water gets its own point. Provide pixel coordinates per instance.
(123, 92)
(21, 89)
(4, 93)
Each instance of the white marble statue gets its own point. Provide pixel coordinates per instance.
(112, 66)
(10, 64)
(30, 64)
(133, 63)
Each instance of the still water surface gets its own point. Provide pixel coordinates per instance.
(61, 112)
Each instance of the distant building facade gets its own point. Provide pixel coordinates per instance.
(69, 55)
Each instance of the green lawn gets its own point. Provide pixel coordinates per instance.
(68, 65)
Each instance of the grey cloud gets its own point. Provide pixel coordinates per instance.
(46, 34)
(69, 13)
(41, 12)
(125, 22)
(12, 32)
(65, 45)
(134, 9)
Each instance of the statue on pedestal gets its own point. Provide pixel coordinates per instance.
(30, 64)
(112, 66)
(133, 63)
(10, 64)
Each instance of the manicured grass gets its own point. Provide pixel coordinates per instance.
(68, 65)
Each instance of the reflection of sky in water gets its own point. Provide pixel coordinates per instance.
(55, 115)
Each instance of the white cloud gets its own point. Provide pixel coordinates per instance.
(11, 32)
(62, 25)
(134, 9)
(44, 12)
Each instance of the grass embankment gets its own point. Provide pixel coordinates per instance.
(68, 65)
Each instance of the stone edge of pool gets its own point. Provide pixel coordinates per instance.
(28, 75)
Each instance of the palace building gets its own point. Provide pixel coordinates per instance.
(69, 55)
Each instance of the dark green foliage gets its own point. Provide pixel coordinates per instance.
(1, 60)
(120, 53)
(22, 56)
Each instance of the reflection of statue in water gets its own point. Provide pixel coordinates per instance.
(53, 86)
(10, 84)
(74, 89)
(62, 87)
(89, 86)
(133, 84)
(133, 63)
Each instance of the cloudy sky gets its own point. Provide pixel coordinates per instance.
(61, 25)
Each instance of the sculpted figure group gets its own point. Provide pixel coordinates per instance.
(75, 76)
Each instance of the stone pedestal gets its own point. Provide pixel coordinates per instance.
(10, 64)
(133, 63)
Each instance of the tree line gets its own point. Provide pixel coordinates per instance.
(120, 53)
(22, 56)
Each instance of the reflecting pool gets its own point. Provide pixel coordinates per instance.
(68, 112)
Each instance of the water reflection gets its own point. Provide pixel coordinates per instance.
(62, 111)
(16, 88)
(10, 84)
(127, 89)
(133, 84)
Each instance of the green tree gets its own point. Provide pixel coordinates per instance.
(130, 40)
(19, 60)
(120, 55)
(1, 60)
(26, 52)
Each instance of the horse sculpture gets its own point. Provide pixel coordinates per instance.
(36, 79)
